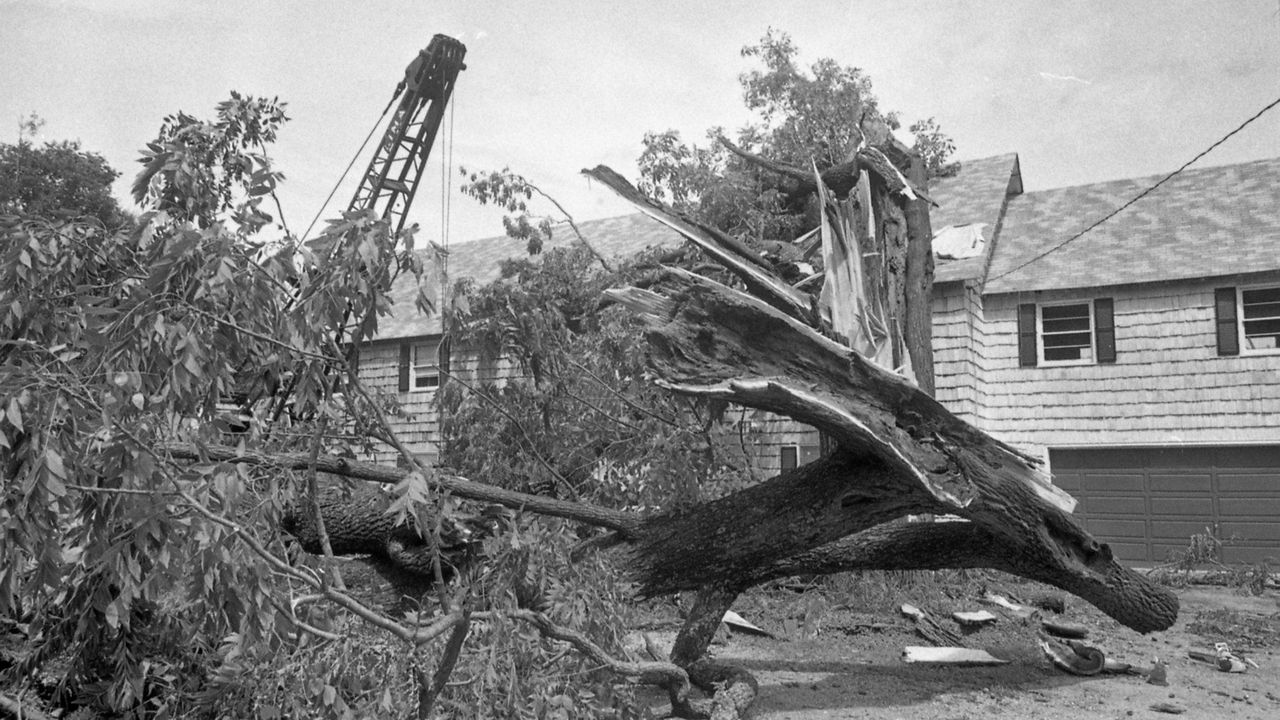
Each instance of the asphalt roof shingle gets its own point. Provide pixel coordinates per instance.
(616, 237)
(1205, 222)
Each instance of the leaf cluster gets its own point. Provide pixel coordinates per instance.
(59, 180)
(185, 327)
(804, 117)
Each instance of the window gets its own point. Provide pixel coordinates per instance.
(793, 456)
(1067, 333)
(426, 367)
(1247, 319)
(420, 365)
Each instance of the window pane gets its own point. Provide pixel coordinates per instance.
(1254, 328)
(1080, 339)
(1262, 310)
(1066, 325)
(1052, 354)
(1260, 295)
(1055, 312)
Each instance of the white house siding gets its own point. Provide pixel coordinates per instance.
(1168, 385)
(959, 349)
(775, 433)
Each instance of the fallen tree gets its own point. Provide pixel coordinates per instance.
(835, 365)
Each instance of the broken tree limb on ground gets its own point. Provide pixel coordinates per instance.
(616, 520)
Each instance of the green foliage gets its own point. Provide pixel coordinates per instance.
(112, 342)
(197, 171)
(509, 671)
(58, 180)
(804, 116)
(577, 415)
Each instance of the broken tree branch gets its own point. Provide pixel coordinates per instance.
(738, 258)
(622, 522)
(840, 178)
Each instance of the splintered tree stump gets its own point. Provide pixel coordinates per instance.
(709, 340)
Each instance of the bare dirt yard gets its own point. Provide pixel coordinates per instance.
(837, 660)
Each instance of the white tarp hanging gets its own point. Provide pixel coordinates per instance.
(956, 242)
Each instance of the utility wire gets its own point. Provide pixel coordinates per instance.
(355, 157)
(1140, 195)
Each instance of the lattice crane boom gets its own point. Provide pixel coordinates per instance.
(389, 184)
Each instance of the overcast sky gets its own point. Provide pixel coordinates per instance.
(1082, 91)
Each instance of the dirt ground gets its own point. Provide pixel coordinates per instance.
(848, 665)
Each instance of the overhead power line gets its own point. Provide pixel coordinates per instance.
(1140, 195)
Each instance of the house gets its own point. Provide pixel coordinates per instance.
(1140, 359)
(405, 358)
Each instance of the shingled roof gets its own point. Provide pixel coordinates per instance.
(976, 194)
(1205, 222)
(616, 237)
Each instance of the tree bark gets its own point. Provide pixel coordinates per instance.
(1125, 595)
(718, 542)
(919, 277)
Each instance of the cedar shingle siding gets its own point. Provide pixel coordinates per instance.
(1168, 383)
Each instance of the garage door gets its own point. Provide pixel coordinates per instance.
(1148, 502)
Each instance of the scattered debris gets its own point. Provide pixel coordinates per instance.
(949, 656)
(1065, 630)
(738, 623)
(975, 619)
(929, 629)
(1223, 658)
(1000, 601)
(1052, 603)
(1169, 708)
(1080, 660)
(1159, 674)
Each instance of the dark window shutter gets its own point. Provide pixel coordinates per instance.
(1027, 351)
(1224, 301)
(1104, 329)
(406, 358)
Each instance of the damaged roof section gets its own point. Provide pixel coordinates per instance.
(967, 219)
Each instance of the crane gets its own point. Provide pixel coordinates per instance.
(389, 184)
(391, 180)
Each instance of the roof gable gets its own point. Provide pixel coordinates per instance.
(975, 195)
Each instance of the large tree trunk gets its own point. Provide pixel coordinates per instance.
(709, 340)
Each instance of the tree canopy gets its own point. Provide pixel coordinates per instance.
(57, 180)
(803, 117)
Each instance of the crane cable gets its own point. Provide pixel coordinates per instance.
(372, 130)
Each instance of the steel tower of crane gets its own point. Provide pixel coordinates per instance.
(389, 184)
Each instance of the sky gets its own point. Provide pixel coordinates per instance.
(1082, 91)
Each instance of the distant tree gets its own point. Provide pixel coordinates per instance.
(803, 117)
(56, 180)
